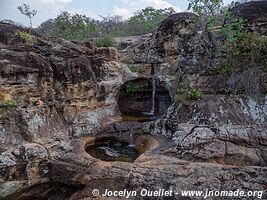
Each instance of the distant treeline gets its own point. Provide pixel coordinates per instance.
(80, 28)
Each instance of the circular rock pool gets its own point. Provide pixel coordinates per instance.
(112, 149)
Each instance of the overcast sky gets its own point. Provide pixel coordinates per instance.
(92, 8)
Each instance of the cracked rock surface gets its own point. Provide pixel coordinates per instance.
(65, 95)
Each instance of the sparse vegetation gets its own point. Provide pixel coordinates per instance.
(225, 67)
(224, 90)
(135, 69)
(8, 103)
(194, 94)
(248, 49)
(131, 87)
(186, 92)
(105, 41)
(27, 37)
(237, 48)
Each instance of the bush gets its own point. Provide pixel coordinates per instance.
(194, 94)
(9, 103)
(251, 48)
(248, 50)
(105, 41)
(27, 37)
(75, 27)
(130, 87)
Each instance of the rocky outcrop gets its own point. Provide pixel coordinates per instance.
(63, 76)
(176, 42)
(50, 92)
(226, 130)
(123, 43)
(255, 13)
(56, 95)
(181, 52)
(177, 50)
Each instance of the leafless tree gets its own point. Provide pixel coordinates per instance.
(25, 10)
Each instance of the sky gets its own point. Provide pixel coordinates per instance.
(47, 9)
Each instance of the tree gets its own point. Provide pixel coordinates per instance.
(212, 14)
(146, 20)
(110, 24)
(73, 27)
(25, 10)
(208, 10)
(46, 27)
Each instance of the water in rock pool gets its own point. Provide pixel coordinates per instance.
(113, 151)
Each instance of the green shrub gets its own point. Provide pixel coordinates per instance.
(105, 41)
(27, 37)
(8, 103)
(249, 49)
(130, 87)
(194, 94)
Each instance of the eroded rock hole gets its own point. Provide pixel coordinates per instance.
(123, 141)
(113, 149)
(144, 97)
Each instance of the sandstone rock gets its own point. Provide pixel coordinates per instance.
(124, 42)
(57, 87)
(67, 92)
(255, 13)
(233, 135)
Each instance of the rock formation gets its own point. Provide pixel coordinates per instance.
(58, 96)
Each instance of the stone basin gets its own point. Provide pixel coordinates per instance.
(125, 147)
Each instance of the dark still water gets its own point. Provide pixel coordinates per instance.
(113, 151)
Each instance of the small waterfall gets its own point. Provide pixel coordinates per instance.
(152, 111)
(153, 96)
(131, 136)
(153, 80)
(131, 142)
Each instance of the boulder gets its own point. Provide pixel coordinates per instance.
(255, 13)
